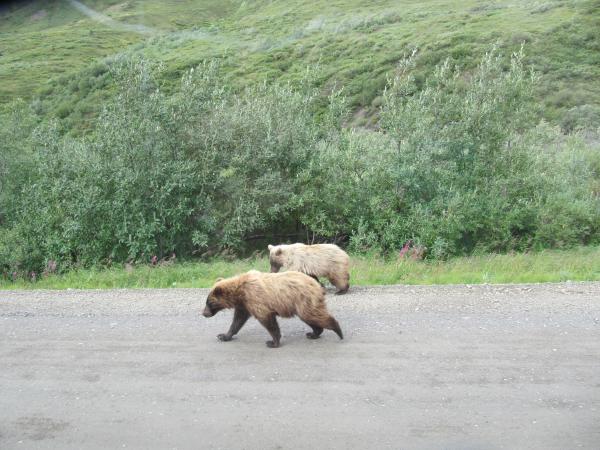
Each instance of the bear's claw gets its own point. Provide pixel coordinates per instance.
(223, 337)
(312, 335)
(272, 344)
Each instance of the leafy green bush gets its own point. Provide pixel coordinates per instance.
(458, 166)
(163, 174)
(569, 205)
(461, 173)
(460, 169)
(349, 185)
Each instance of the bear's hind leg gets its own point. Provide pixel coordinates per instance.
(316, 331)
(270, 323)
(332, 324)
(322, 321)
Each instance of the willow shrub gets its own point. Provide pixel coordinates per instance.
(183, 172)
(458, 166)
(471, 170)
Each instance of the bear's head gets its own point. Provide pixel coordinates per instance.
(276, 257)
(221, 296)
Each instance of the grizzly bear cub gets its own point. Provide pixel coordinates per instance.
(320, 260)
(268, 295)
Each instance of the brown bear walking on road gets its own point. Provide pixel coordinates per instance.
(268, 295)
(319, 260)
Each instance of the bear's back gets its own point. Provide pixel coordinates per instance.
(283, 293)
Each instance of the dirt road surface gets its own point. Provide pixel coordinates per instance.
(456, 367)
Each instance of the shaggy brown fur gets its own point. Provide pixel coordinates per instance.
(268, 295)
(320, 260)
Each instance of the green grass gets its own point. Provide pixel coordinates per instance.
(582, 264)
(47, 47)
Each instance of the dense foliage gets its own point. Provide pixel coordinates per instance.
(457, 166)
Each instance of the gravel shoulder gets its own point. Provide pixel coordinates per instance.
(483, 366)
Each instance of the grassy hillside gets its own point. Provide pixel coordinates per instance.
(55, 50)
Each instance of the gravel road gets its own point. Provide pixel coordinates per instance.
(427, 367)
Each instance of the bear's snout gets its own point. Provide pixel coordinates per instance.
(275, 268)
(207, 312)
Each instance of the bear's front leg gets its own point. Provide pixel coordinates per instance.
(270, 323)
(240, 316)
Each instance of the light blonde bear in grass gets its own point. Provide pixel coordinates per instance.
(320, 260)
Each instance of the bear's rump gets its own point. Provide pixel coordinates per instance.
(318, 262)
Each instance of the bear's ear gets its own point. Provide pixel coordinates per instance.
(270, 247)
(219, 279)
(218, 291)
(278, 252)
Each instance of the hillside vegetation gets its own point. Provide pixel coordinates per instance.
(201, 138)
(54, 51)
